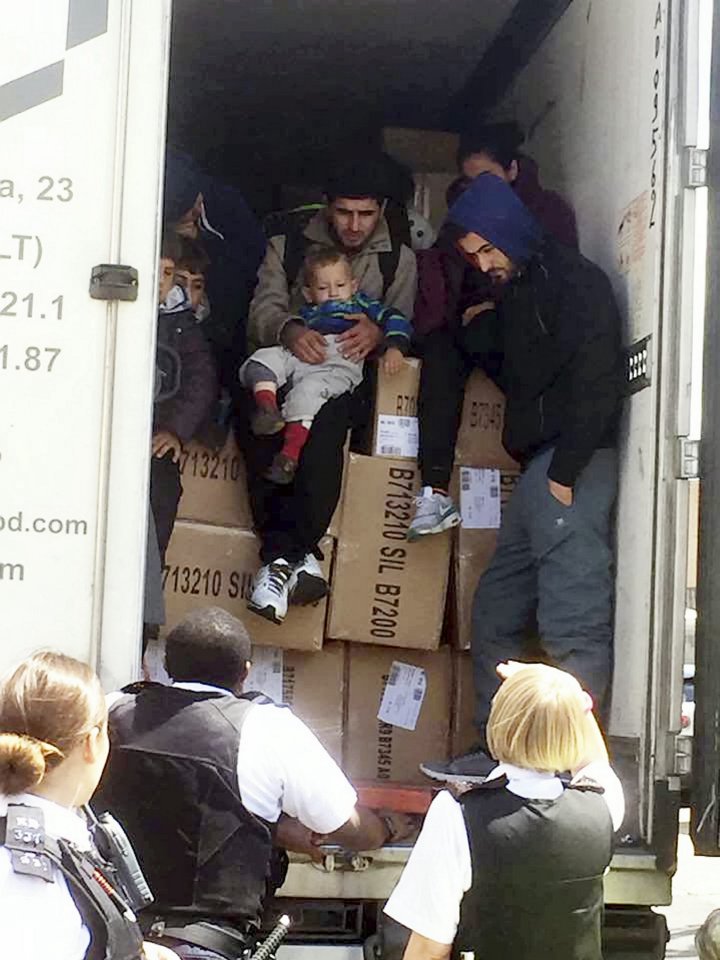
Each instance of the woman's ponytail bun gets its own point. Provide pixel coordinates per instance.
(48, 704)
(23, 762)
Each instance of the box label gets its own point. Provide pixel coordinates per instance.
(266, 673)
(403, 696)
(397, 436)
(480, 498)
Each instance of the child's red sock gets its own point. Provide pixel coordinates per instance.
(296, 433)
(266, 399)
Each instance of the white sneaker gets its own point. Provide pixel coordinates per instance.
(269, 598)
(434, 512)
(307, 583)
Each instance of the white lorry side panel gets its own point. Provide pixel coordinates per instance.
(594, 101)
(82, 99)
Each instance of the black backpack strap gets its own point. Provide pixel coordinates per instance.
(388, 263)
(296, 244)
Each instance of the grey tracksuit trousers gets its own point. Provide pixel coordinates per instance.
(555, 561)
(311, 385)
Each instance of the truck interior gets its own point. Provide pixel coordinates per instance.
(273, 95)
(267, 95)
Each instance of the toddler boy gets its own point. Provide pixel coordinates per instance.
(332, 299)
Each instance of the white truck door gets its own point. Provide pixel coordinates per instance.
(83, 87)
(611, 105)
(705, 809)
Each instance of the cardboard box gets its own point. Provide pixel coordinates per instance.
(385, 590)
(479, 442)
(215, 486)
(463, 735)
(311, 684)
(377, 750)
(422, 150)
(474, 548)
(395, 432)
(215, 566)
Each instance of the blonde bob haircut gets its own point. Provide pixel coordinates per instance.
(540, 719)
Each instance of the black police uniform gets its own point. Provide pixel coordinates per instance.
(171, 780)
(92, 881)
(537, 868)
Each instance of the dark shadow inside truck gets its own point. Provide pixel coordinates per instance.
(271, 95)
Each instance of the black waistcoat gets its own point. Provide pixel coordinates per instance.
(537, 868)
(171, 781)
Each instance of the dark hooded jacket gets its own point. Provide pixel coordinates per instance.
(447, 286)
(553, 345)
(235, 244)
(186, 384)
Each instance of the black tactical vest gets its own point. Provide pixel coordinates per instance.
(101, 902)
(171, 781)
(537, 869)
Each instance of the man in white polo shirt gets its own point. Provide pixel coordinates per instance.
(205, 780)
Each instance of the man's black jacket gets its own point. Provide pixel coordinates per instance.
(553, 346)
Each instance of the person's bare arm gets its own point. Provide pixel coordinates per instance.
(293, 836)
(367, 830)
(422, 948)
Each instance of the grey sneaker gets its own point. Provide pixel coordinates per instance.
(469, 768)
(434, 512)
(271, 588)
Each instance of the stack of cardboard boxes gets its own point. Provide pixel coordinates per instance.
(380, 672)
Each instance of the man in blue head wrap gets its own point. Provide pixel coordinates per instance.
(552, 343)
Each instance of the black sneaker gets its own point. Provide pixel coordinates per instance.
(266, 422)
(282, 470)
(469, 768)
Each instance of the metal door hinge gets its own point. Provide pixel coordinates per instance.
(695, 167)
(688, 459)
(112, 281)
(683, 756)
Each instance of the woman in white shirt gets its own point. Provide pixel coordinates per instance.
(53, 747)
(514, 868)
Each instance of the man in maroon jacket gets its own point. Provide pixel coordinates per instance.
(451, 300)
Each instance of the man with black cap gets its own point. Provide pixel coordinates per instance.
(292, 519)
(553, 345)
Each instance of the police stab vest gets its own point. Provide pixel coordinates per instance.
(537, 874)
(105, 911)
(171, 781)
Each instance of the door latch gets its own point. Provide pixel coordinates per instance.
(111, 281)
(688, 459)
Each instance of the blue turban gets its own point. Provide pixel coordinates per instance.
(491, 208)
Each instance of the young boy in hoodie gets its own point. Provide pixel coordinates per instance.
(185, 390)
